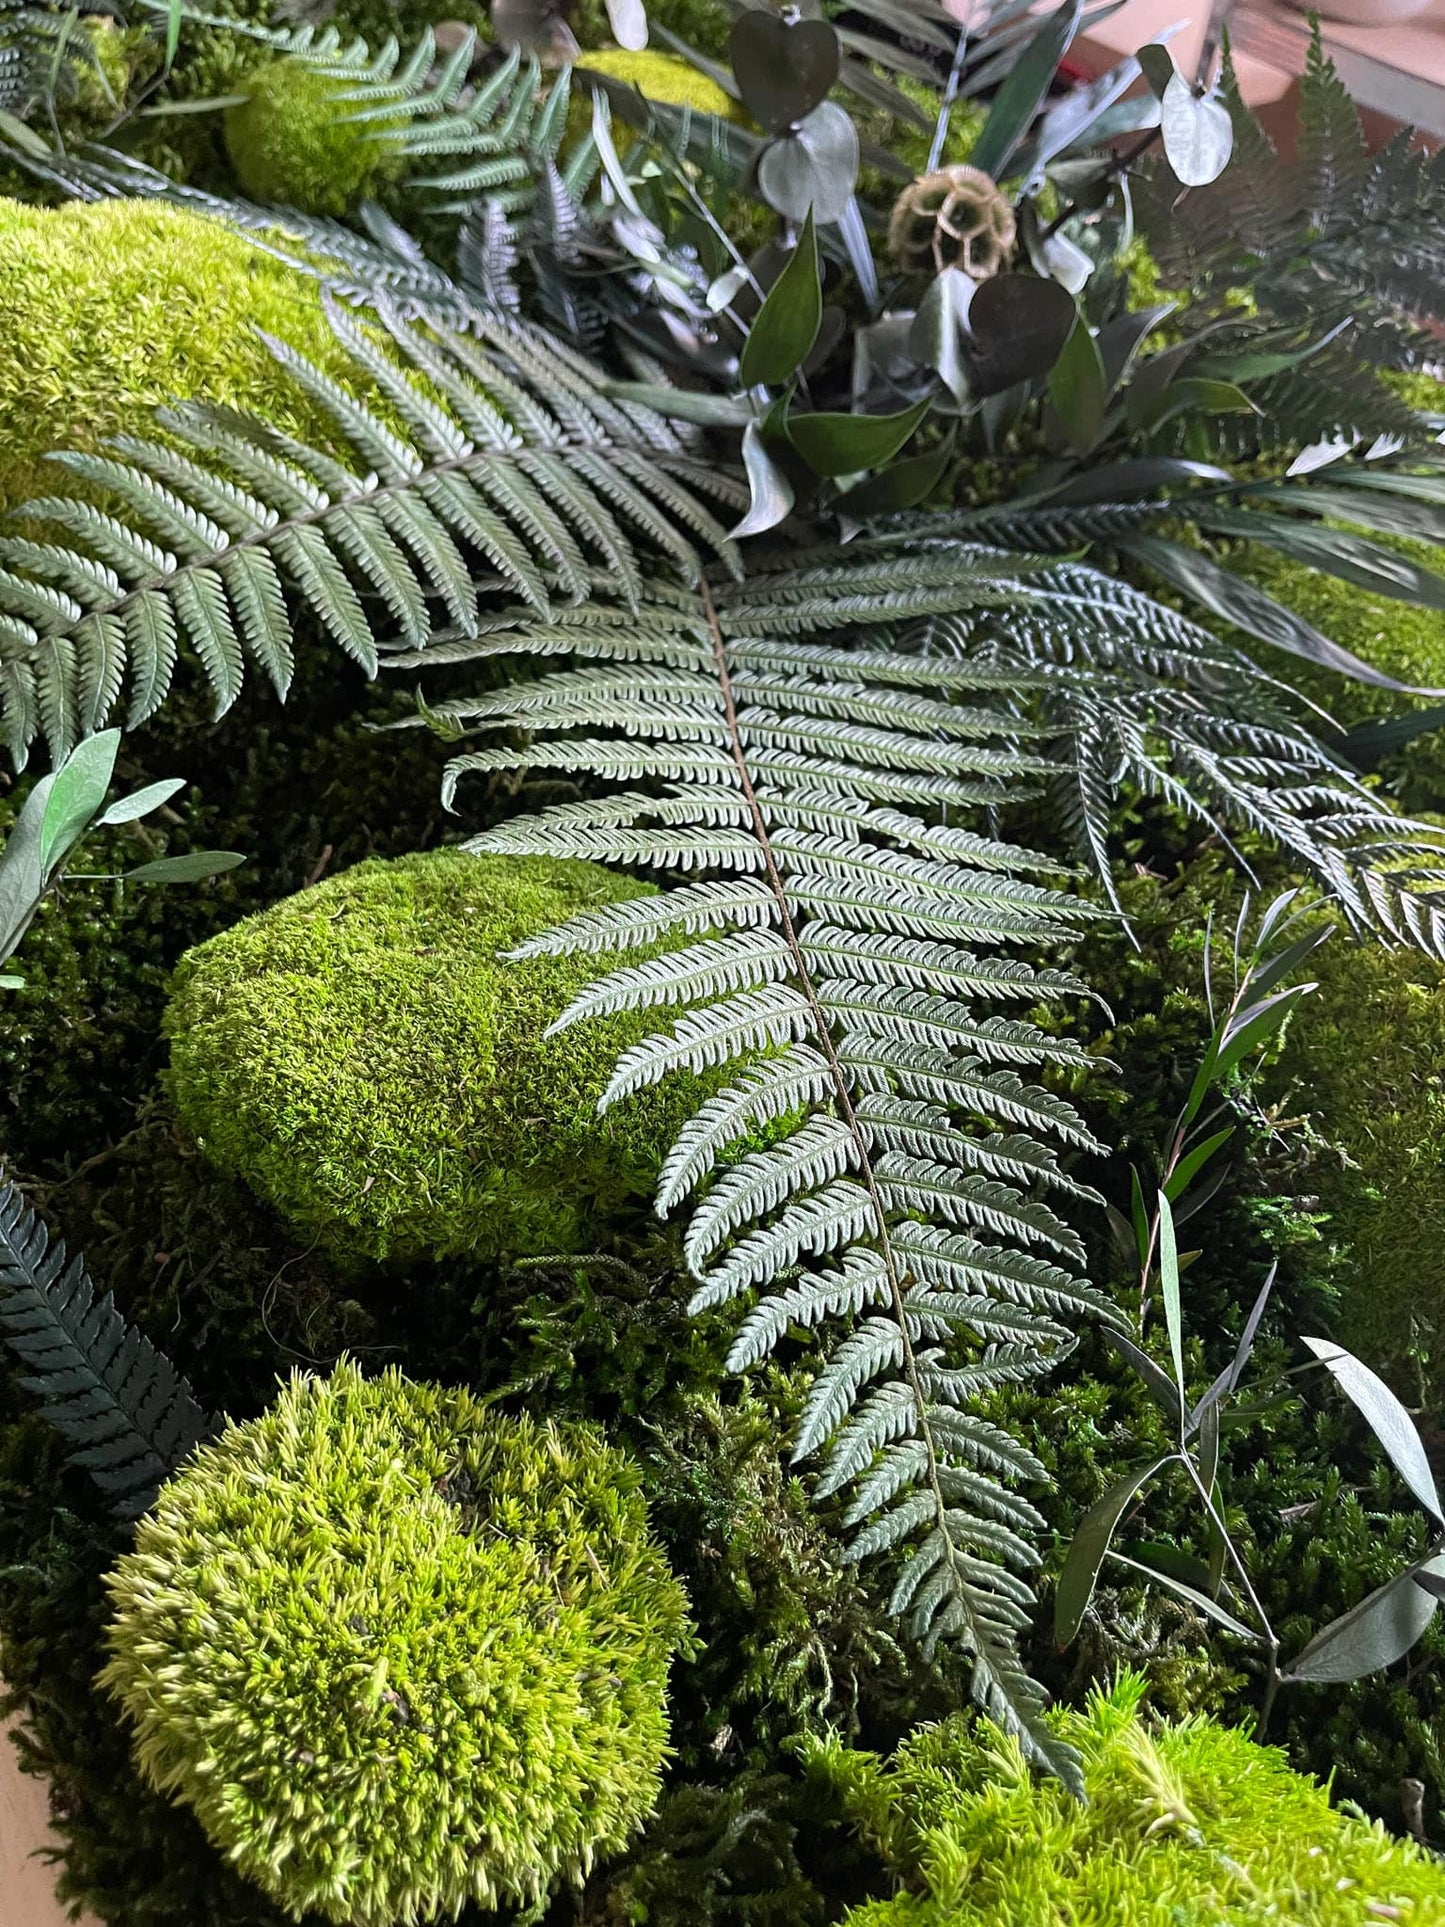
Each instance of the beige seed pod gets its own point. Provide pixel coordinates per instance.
(954, 218)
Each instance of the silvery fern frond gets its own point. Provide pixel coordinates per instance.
(477, 464)
(871, 1169)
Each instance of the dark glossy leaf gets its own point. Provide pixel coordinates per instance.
(1165, 1391)
(1079, 389)
(1089, 1545)
(1383, 514)
(772, 492)
(1159, 1557)
(1386, 1418)
(1208, 1460)
(813, 169)
(191, 868)
(1198, 133)
(1367, 744)
(783, 70)
(1157, 65)
(847, 444)
(1372, 1635)
(1191, 394)
(1236, 600)
(1018, 99)
(902, 486)
(1122, 338)
(1127, 481)
(1018, 324)
(782, 337)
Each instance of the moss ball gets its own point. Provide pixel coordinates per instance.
(399, 1651)
(295, 143)
(363, 1057)
(668, 78)
(109, 309)
(1183, 1823)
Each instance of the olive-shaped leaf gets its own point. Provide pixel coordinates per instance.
(787, 325)
(1079, 388)
(1088, 1547)
(1386, 1418)
(191, 868)
(77, 796)
(628, 21)
(783, 69)
(1374, 1634)
(1020, 96)
(814, 169)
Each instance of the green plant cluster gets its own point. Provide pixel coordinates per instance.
(1185, 1822)
(297, 141)
(368, 1061)
(397, 1651)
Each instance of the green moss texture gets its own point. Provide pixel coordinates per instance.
(398, 1651)
(1191, 1823)
(666, 77)
(296, 142)
(366, 1060)
(110, 308)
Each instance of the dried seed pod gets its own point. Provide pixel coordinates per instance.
(954, 218)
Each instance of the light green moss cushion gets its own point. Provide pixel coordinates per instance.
(399, 1651)
(1189, 1825)
(363, 1057)
(295, 141)
(109, 309)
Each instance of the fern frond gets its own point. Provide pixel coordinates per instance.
(488, 459)
(124, 1412)
(847, 935)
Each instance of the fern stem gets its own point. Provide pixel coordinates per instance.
(844, 1098)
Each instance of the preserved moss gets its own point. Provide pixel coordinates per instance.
(295, 142)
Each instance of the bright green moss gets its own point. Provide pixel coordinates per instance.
(363, 1057)
(398, 1650)
(668, 78)
(110, 308)
(296, 143)
(1185, 1826)
(1365, 1059)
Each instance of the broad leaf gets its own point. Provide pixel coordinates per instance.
(77, 796)
(1372, 1635)
(1198, 133)
(1079, 388)
(846, 444)
(1386, 1418)
(782, 337)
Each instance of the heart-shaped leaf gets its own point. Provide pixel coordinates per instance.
(783, 70)
(782, 337)
(846, 444)
(1198, 133)
(1018, 324)
(1157, 65)
(814, 169)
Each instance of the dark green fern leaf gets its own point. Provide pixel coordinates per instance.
(125, 1413)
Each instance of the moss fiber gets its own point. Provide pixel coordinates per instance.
(665, 77)
(1190, 1825)
(399, 1651)
(110, 308)
(366, 1060)
(295, 141)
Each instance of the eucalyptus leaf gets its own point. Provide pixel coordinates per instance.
(814, 169)
(1018, 324)
(130, 809)
(1198, 133)
(783, 69)
(787, 324)
(193, 867)
(1169, 1290)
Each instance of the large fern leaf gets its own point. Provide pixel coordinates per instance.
(124, 1411)
(473, 463)
(874, 1171)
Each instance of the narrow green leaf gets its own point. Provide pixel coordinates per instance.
(1193, 1162)
(77, 797)
(1079, 388)
(129, 809)
(1386, 1418)
(1200, 1601)
(1169, 1290)
(1022, 93)
(191, 868)
(1373, 1634)
(1088, 1547)
(782, 337)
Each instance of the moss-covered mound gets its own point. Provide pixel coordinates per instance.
(1190, 1824)
(296, 141)
(1365, 1060)
(665, 77)
(110, 308)
(399, 1651)
(367, 1061)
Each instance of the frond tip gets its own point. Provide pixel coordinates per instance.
(125, 1413)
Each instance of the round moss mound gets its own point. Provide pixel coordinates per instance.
(294, 143)
(399, 1651)
(367, 1061)
(109, 309)
(1186, 1823)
